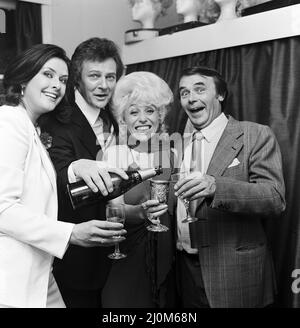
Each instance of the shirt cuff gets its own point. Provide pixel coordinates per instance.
(68, 230)
(72, 177)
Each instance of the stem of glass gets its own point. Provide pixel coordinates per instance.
(117, 248)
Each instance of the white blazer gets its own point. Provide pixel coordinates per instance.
(30, 235)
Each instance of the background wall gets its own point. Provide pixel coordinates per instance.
(8, 4)
(76, 20)
(69, 22)
(73, 21)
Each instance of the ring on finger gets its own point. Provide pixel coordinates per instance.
(144, 206)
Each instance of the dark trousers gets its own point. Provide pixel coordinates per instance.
(74, 298)
(189, 281)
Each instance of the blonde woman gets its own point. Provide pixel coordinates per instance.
(143, 279)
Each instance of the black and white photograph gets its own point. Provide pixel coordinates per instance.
(149, 157)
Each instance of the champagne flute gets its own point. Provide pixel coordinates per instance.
(116, 213)
(159, 190)
(175, 177)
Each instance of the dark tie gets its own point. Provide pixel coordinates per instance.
(106, 123)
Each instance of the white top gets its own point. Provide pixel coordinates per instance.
(30, 235)
(121, 156)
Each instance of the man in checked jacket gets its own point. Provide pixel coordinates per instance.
(234, 184)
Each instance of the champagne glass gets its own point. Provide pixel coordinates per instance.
(159, 190)
(116, 213)
(175, 177)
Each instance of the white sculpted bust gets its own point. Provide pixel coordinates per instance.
(146, 12)
(219, 10)
(189, 9)
(227, 9)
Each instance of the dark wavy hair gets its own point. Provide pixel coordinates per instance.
(94, 49)
(22, 68)
(220, 83)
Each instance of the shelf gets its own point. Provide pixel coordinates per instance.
(270, 25)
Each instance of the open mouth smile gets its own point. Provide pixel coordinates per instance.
(101, 96)
(143, 128)
(53, 96)
(196, 109)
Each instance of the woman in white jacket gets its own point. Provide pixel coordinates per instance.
(30, 235)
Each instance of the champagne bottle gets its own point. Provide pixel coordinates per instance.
(81, 195)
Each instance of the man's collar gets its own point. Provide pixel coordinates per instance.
(217, 125)
(209, 132)
(91, 113)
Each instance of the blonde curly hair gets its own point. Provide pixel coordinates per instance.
(141, 88)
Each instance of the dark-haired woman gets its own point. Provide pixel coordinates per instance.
(30, 235)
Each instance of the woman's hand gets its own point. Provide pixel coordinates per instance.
(154, 209)
(96, 233)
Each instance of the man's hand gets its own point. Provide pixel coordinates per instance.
(154, 209)
(96, 233)
(196, 185)
(95, 176)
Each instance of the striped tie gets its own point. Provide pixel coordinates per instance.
(196, 159)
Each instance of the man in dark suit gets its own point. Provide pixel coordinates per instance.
(234, 183)
(77, 142)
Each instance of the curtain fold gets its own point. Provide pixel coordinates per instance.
(264, 84)
(28, 25)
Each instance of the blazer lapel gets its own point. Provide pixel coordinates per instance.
(227, 148)
(84, 132)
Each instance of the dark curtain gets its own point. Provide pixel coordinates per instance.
(264, 84)
(28, 25)
(7, 40)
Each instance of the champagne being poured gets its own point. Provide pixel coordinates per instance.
(81, 195)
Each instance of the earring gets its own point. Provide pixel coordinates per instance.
(22, 90)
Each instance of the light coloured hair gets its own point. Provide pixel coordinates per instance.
(160, 6)
(141, 88)
(210, 11)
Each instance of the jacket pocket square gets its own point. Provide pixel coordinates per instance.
(235, 162)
